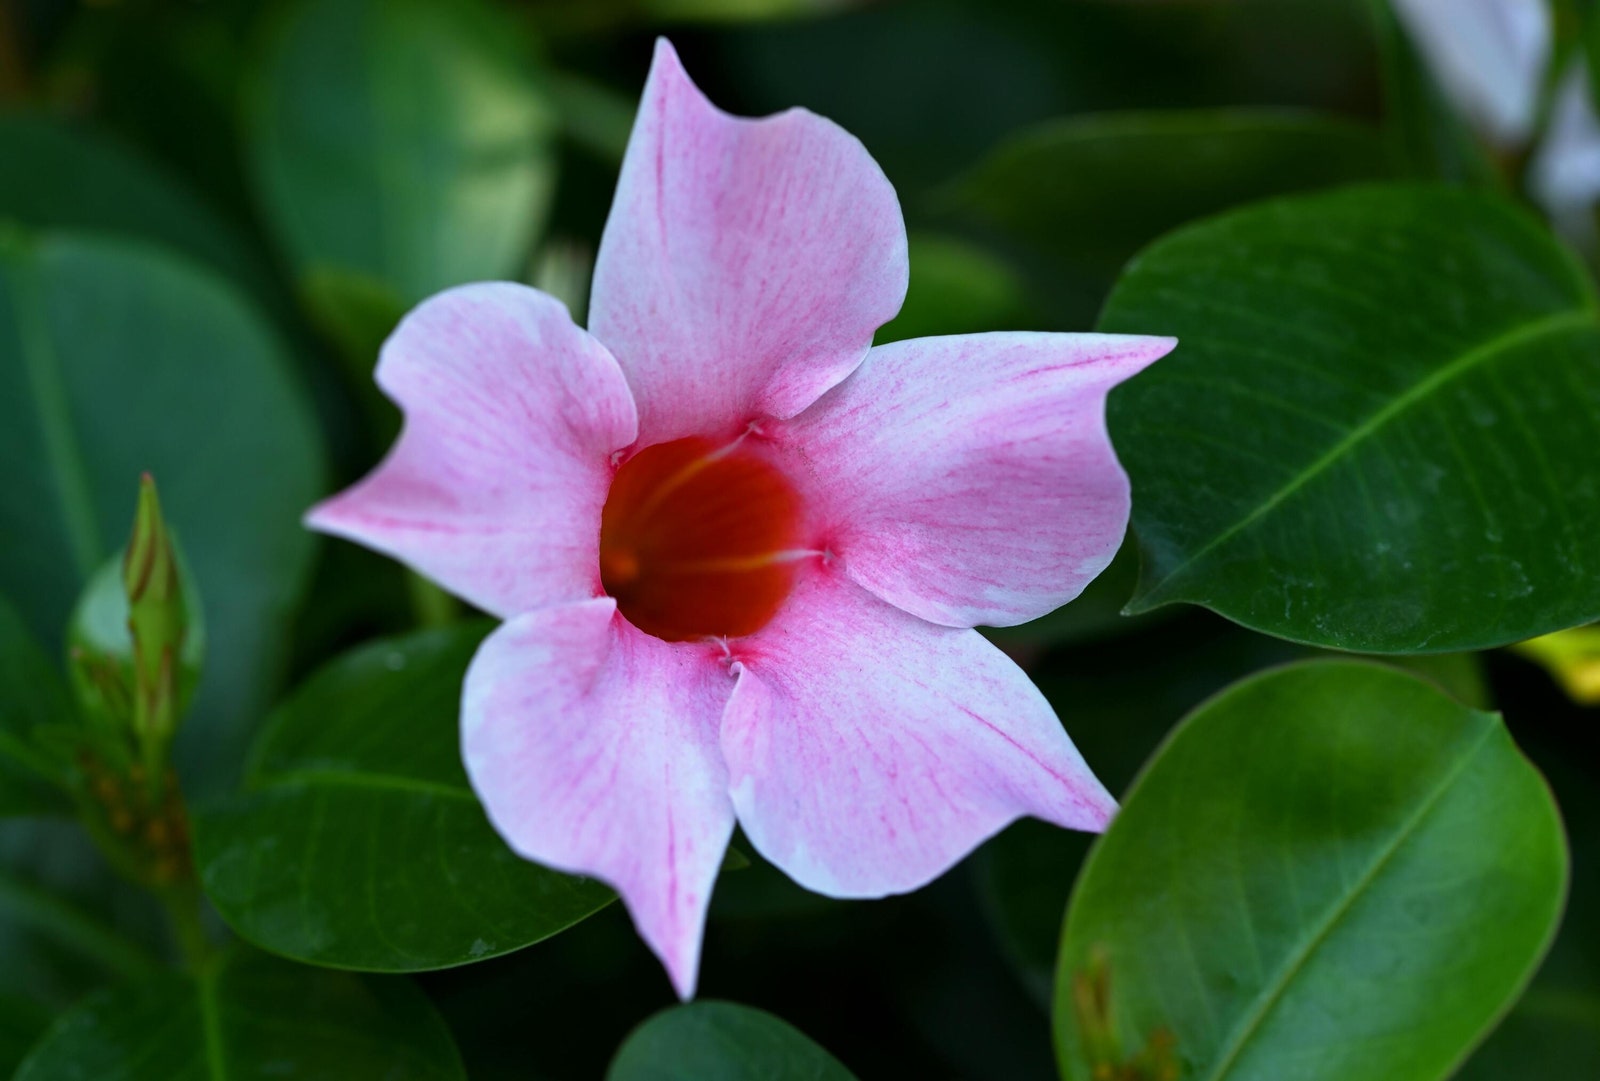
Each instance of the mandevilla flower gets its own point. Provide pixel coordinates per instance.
(740, 553)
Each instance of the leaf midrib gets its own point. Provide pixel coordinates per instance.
(383, 782)
(1272, 993)
(1586, 317)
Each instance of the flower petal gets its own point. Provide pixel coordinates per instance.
(868, 750)
(746, 263)
(495, 485)
(594, 750)
(969, 480)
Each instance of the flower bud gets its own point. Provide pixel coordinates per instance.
(137, 640)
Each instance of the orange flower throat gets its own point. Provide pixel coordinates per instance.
(699, 541)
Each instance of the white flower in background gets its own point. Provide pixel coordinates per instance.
(1489, 55)
(1565, 174)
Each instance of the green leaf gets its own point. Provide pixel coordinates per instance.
(1330, 871)
(250, 1017)
(32, 699)
(1378, 430)
(115, 359)
(358, 842)
(1083, 194)
(56, 176)
(721, 1041)
(401, 141)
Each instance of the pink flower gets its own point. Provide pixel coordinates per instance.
(739, 554)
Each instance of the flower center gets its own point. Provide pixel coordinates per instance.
(699, 540)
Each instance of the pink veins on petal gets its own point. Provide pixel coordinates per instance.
(739, 551)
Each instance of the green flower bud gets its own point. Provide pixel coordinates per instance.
(137, 637)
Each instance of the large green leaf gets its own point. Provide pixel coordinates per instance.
(32, 699)
(250, 1017)
(1379, 430)
(1089, 191)
(116, 358)
(1331, 871)
(399, 147)
(358, 842)
(721, 1041)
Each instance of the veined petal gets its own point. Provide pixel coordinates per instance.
(745, 264)
(869, 750)
(495, 486)
(594, 750)
(969, 479)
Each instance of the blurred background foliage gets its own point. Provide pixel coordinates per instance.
(219, 208)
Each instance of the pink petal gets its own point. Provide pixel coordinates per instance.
(746, 263)
(495, 485)
(868, 750)
(969, 480)
(594, 750)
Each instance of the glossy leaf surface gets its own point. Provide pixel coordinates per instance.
(358, 842)
(1346, 452)
(1331, 870)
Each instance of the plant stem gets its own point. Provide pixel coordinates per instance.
(183, 910)
(432, 606)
